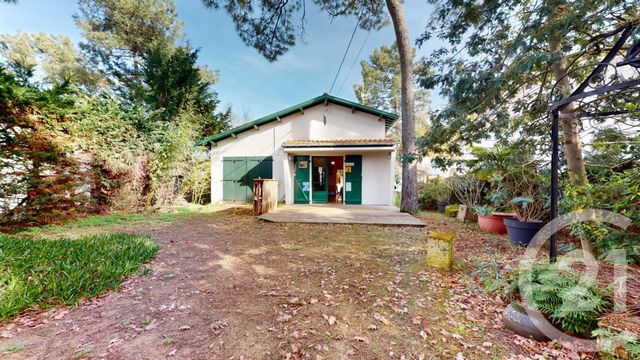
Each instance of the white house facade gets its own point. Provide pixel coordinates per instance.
(324, 150)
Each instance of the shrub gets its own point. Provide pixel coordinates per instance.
(467, 188)
(619, 193)
(431, 192)
(64, 271)
(451, 210)
(617, 345)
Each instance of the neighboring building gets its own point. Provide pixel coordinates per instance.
(427, 171)
(324, 150)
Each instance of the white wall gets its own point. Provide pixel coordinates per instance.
(377, 188)
(267, 140)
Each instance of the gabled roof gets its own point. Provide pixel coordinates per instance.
(388, 117)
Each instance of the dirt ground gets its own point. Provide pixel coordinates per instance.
(228, 286)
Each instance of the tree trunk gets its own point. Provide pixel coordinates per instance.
(409, 202)
(570, 125)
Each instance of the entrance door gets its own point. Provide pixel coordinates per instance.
(353, 179)
(301, 183)
(319, 181)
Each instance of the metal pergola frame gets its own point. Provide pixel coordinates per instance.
(632, 58)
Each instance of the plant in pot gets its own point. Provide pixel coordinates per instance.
(557, 295)
(530, 212)
(528, 191)
(488, 218)
(441, 193)
(468, 189)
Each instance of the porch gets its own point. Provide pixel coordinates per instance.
(341, 214)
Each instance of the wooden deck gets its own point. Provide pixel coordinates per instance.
(341, 214)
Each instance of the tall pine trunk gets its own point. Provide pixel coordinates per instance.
(570, 124)
(409, 202)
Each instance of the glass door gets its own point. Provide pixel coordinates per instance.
(320, 193)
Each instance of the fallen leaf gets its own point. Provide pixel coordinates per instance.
(381, 318)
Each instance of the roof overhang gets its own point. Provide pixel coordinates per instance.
(389, 118)
(348, 143)
(339, 145)
(338, 149)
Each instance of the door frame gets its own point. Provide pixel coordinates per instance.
(311, 174)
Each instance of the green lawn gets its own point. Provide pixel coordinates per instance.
(64, 271)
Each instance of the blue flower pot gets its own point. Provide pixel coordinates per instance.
(521, 233)
(442, 205)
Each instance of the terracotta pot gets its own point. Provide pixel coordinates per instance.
(493, 224)
(521, 233)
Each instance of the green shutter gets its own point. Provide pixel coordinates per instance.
(353, 179)
(238, 174)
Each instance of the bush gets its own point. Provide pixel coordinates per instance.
(431, 192)
(64, 271)
(619, 193)
(451, 210)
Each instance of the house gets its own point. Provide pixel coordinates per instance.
(323, 150)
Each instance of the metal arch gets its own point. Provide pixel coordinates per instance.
(632, 58)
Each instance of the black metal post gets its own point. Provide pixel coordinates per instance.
(553, 248)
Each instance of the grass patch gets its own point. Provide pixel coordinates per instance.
(11, 348)
(63, 271)
(80, 225)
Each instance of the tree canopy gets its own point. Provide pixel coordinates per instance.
(501, 62)
(111, 125)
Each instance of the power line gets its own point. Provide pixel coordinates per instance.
(354, 62)
(345, 55)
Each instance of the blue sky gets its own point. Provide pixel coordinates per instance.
(248, 82)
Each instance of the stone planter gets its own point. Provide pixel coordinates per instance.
(466, 215)
(440, 249)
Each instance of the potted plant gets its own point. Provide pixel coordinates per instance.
(528, 222)
(440, 191)
(488, 218)
(468, 189)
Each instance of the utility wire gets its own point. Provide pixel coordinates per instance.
(353, 63)
(345, 55)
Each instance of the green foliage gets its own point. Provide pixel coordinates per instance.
(492, 279)
(111, 127)
(618, 192)
(451, 210)
(64, 271)
(612, 150)
(117, 42)
(380, 88)
(54, 56)
(556, 290)
(196, 182)
(497, 66)
(431, 192)
(617, 345)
